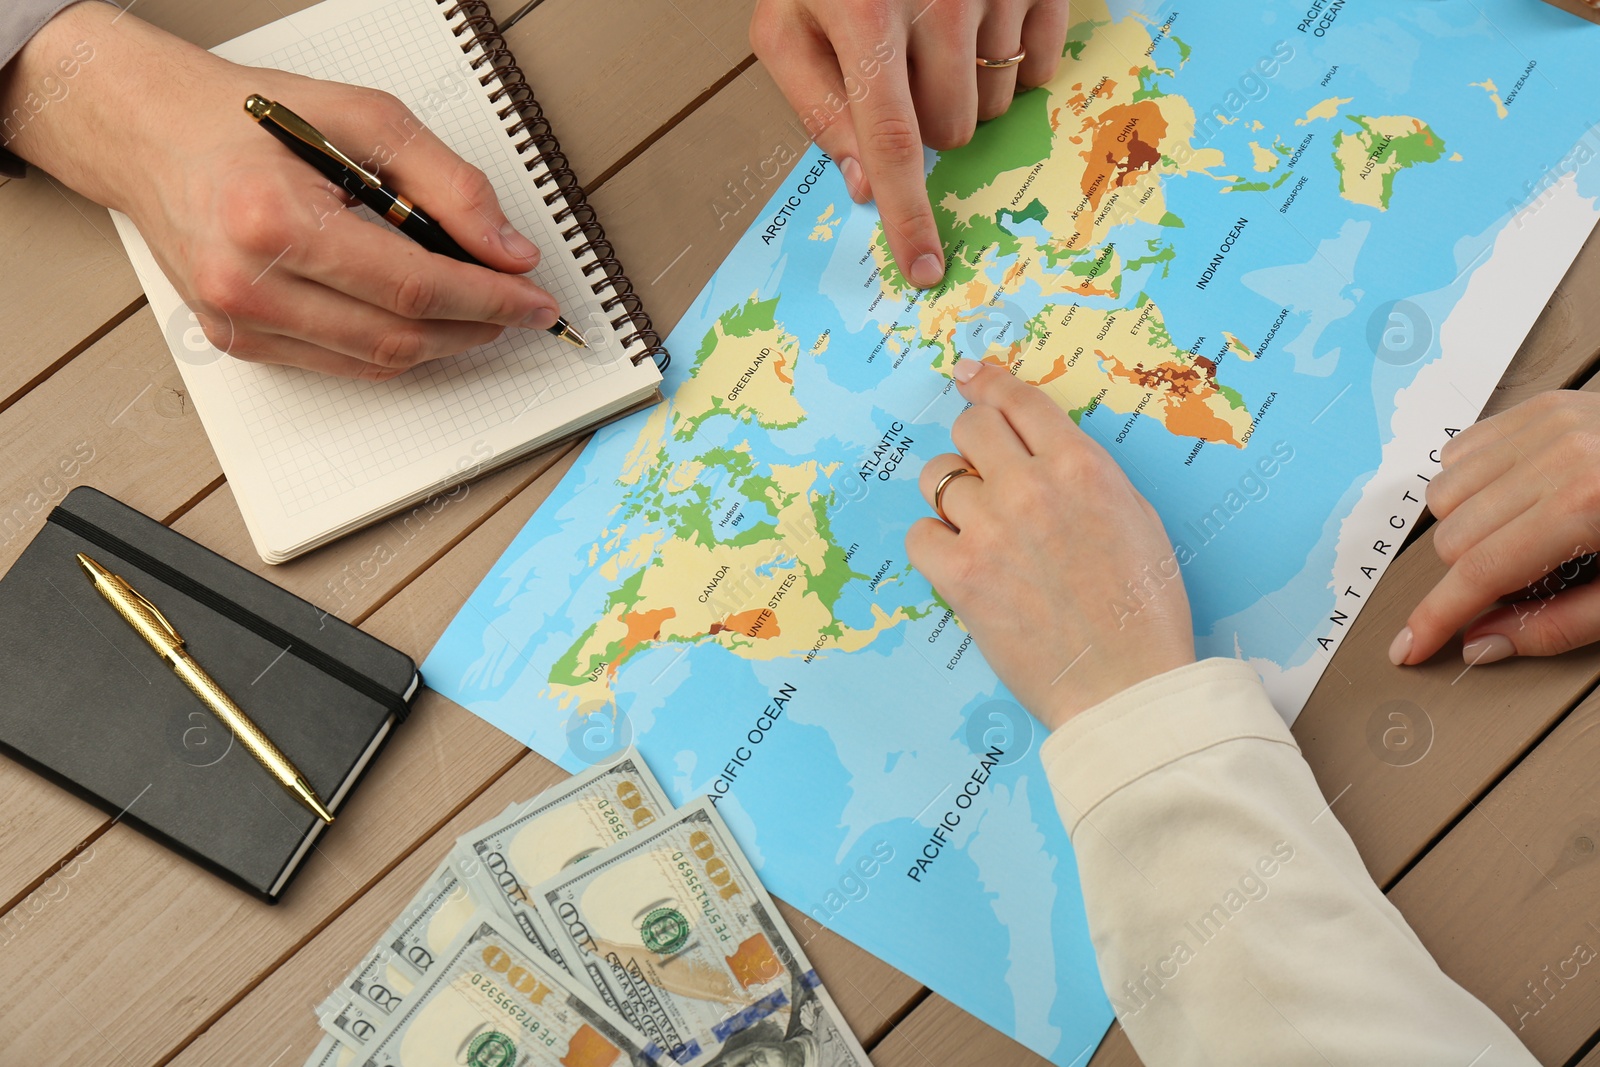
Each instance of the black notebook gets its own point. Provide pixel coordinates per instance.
(85, 701)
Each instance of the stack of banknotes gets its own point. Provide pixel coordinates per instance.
(594, 925)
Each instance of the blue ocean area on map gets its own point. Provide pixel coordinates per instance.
(722, 581)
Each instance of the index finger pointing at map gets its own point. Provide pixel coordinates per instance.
(1042, 425)
(891, 151)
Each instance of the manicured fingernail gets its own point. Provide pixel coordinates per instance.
(1400, 647)
(1490, 648)
(540, 318)
(926, 271)
(965, 370)
(850, 170)
(518, 245)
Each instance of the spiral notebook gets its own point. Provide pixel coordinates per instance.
(311, 458)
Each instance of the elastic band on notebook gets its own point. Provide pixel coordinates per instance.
(312, 656)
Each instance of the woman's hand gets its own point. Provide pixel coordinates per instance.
(260, 246)
(1518, 503)
(1056, 565)
(875, 79)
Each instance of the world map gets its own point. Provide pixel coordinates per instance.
(1270, 255)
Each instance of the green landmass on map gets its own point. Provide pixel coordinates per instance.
(1369, 158)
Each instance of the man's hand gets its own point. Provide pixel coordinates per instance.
(261, 247)
(1056, 565)
(875, 79)
(1518, 503)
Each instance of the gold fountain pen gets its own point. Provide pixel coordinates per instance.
(160, 634)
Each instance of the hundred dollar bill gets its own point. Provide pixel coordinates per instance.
(560, 827)
(434, 918)
(355, 1011)
(375, 987)
(674, 927)
(330, 1053)
(491, 1002)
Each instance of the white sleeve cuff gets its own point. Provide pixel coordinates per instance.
(1158, 721)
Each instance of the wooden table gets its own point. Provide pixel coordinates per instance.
(116, 951)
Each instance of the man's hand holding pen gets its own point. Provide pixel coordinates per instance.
(258, 244)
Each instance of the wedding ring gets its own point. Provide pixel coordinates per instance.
(1002, 64)
(944, 483)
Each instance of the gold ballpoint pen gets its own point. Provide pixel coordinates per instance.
(160, 634)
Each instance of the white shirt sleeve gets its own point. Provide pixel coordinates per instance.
(1232, 918)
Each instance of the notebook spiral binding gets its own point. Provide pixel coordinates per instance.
(585, 236)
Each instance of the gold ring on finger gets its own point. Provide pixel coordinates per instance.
(944, 483)
(1002, 64)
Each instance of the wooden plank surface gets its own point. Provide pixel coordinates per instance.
(116, 417)
(938, 1034)
(57, 243)
(150, 949)
(587, 71)
(1564, 343)
(1524, 864)
(676, 212)
(218, 959)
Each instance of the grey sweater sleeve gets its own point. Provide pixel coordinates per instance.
(19, 21)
